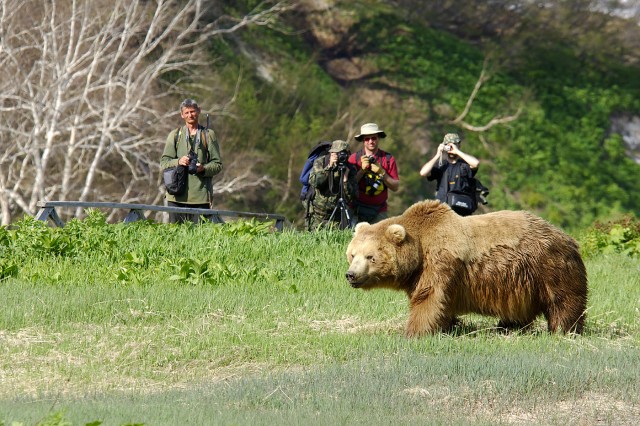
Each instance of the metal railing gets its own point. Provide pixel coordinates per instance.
(136, 212)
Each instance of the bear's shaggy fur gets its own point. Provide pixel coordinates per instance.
(508, 264)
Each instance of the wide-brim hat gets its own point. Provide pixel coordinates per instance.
(339, 146)
(370, 129)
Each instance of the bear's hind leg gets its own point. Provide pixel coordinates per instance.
(565, 319)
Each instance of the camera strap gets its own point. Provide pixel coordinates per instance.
(200, 139)
(176, 138)
(196, 141)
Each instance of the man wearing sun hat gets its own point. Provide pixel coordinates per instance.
(377, 174)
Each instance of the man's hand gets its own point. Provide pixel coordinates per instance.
(333, 159)
(365, 162)
(184, 161)
(376, 169)
(453, 149)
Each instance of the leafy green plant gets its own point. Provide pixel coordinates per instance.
(8, 268)
(621, 236)
(32, 238)
(91, 235)
(192, 271)
(247, 228)
(29, 236)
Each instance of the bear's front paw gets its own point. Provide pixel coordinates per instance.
(414, 332)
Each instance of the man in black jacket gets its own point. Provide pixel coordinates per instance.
(454, 174)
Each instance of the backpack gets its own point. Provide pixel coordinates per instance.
(466, 194)
(308, 192)
(321, 149)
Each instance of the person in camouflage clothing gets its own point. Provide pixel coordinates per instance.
(325, 179)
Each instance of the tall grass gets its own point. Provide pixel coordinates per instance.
(234, 324)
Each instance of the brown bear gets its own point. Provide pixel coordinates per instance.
(509, 264)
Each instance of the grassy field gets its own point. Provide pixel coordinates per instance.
(165, 325)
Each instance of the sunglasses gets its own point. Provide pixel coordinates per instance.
(370, 138)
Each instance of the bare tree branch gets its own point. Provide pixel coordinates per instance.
(85, 90)
(459, 120)
(493, 122)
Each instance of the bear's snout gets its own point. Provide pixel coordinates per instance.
(353, 279)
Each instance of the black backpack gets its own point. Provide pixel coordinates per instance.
(466, 194)
(175, 178)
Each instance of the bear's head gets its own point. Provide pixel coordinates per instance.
(381, 255)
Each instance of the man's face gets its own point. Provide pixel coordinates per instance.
(453, 150)
(370, 142)
(190, 115)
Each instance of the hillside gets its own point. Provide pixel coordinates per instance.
(552, 119)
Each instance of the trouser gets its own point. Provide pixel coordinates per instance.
(323, 219)
(186, 217)
(378, 218)
(370, 214)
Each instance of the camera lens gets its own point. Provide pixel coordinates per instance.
(193, 163)
(343, 157)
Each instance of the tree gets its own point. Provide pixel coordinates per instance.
(87, 87)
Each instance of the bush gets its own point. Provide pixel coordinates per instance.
(620, 236)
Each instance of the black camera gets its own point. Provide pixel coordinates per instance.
(373, 183)
(447, 148)
(372, 159)
(193, 163)
(343, 157)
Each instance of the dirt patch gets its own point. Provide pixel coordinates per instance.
(354, 325)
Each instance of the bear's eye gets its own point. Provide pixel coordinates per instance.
(371, 259)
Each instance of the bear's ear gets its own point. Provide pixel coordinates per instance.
(396, 233)
(360, 226)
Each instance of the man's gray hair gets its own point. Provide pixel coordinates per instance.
(188, 103)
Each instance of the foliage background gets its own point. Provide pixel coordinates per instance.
(411, 68)
(545, 94)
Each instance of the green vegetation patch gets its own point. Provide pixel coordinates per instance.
(269, 332)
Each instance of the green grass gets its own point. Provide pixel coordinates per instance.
(262, 328)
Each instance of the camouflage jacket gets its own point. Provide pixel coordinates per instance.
(326, 182)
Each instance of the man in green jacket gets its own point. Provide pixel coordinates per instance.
(203, 163)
